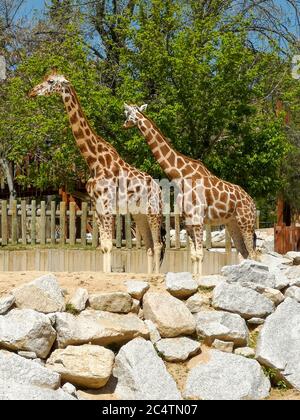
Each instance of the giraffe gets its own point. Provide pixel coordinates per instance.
(114, 184)
(203, 197)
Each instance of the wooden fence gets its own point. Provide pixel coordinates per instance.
(56, 223)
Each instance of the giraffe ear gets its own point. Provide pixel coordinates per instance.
(54, 71)
(143, 108)
(126, 106)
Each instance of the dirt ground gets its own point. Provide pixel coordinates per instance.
(98, 282)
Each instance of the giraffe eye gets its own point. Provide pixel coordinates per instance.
(50, 82)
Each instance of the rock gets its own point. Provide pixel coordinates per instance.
(170, 315)
(256, 321)
(86, 366)
(22, 371)
(241, 300)
(296, 261)
(278, 342)
(27, 355)
(198, 303)
(43, 295)
(142, 375)
(273, 294)
(79, 300)
(136, 306)
(177, 349)
(226, 346)
(227, 377)
(137, 289)
(245, 351)
(117, 302)
(292, 254)
(248, 273)
(12, 391)
(70, 389)
(293, 292)
(223, 326)
(181, 285)
(96, 327)
(154, 333)
(6, 303)
(293, 275)
(27, 330)
(211, 281)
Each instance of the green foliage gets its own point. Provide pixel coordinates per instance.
(71, 310)
(272, 375)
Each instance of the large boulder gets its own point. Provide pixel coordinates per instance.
(142, 375)
(6, 303)
(227, 376)
(18, 369)
(278, 343)
(87, 366)
(170, 315)
(293, 292)
(79, 299)
(220, 325)
(137, 288)
(177, 349)
(241, 300)
(43, 295)
(293, 275)
(96, 327)
(249, 273)
(181, 285)
(117, 302)
(13, 391)
(25, 329)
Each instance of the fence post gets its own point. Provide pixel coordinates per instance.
(62, 222)
(43, 224)
(72, 223)
(4, 222)
(168, 227)
(177, 228)
(128, 235)
(95, 241)
(119, 230)
(53, 222)
(33, 222)
(14, 223)
(23, 222)
(83, 223)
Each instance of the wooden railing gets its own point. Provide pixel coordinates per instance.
(57, 223)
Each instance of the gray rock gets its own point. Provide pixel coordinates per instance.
(293, 276)
(227, 377)
(278, 342)
(22, 371)
(116, 302)
(226, 346)
(96, 327)
(43, 295)
(13, 391)
(273, 294)
(142, 375)
(248, 273)
(70, 389)
(181, 285)
(27, 355)
(256, 321)
(6, 303)
(241, 300)
(79, 300)
(153, 331)
(170, 315)
(245, 351)
(86, 366)
(177, 349)
(198, 303)
(136, 306)
(293, 292)
(292, 254)
(211, 281)
(136, 288)
(223, 326)
(27, 330)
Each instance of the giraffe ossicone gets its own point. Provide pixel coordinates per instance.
(204, 198)
(108, 172)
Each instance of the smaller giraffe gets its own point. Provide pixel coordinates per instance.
(114, 186)
(203, 198)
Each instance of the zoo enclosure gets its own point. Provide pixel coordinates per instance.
(60, 224)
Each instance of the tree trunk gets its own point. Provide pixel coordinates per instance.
(9, 178)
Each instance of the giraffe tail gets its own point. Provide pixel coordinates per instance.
(163, 242)
(254, 240)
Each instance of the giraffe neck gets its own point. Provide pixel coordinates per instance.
(95, 150)
(173, 163)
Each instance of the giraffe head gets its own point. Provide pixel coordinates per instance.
(53, 83)
(133, 114)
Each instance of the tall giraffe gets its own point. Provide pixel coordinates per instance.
(204, 198)
(113, 183)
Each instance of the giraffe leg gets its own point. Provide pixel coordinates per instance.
(155, 225)
(105, 224)
(247, 232)
(197, 250)
(150, 260)
(237, 237)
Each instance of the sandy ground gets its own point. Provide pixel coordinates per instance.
(99, 282)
